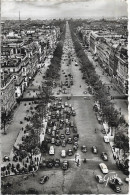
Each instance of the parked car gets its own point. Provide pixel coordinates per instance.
(63, 153)
(62, 136)
(104, 156)
(49, 131)
(65, 165)
(57, 163)
(53, 133)
(94, 149)
(99, 178)
(70, 152)
(47, 140)
(50, 124)
(71, 124)
(67, 131)
(52, 140)
(127, 180)
(69, 140)
(52, 150)
(43, 164)
(123, 167)
(44, 179)
(50, 163)
(84, 149)
(76, 144)
(76, 137)
(103, 168)
(57, 142)
(63, 143)
(116, 188)
(106, 139)
(53, 116)
(74, 129)
(66, 104)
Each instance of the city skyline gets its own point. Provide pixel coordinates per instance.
(48, 9)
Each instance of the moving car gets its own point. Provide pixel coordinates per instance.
(84, 149)
(99, 178)
(103, 168)
(106, 139)
(116, 188)
(63, 153)
(73, 113)
(104, 156)
(6, 158)
(117, 181)
(94, 149)
(44, 179)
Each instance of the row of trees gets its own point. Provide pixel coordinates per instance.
(44, 96)
(53, 70)
(101, 93)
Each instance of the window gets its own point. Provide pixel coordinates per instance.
(16, 95)
(13, 69)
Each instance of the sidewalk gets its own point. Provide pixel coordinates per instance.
(27, 161)
(113, 90)
(115, 151)
(8, 140)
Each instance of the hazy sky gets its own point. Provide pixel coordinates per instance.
(46, 9)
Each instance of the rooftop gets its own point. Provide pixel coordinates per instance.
(7, 77)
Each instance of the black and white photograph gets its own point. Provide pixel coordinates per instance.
(64, 97)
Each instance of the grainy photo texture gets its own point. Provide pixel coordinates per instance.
(64, 97)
